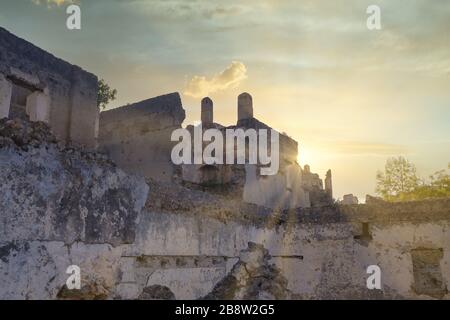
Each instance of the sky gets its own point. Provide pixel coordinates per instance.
(352, 97)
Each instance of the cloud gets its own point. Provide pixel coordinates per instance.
(50, 3)
(367, 148)
(231, 77)
(361, 148)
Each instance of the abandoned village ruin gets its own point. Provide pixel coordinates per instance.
(138, 138)
(99, 190)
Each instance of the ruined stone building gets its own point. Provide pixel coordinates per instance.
(180, 232)
(40, 87)
(292, 187)
(37, 86)
(138, 138)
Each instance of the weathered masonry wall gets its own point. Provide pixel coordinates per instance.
(58, 207)
(64, 206)
(319, 253)
(137, 137)
(45, 88)
(286, 188)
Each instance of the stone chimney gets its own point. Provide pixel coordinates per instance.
(307, 169)
(245, 106)
(329, 185)
(207, 111)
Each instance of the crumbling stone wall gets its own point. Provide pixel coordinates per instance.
(253, 277)
(61, 94)
(137, 137)
(312, 253)
(61, 206)
(428, 279)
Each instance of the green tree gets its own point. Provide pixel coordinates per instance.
(440, 180)
(105, 94)
(399, 178)
(438, 187)
(399, 182)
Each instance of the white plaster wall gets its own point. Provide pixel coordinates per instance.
(318, 260)
(283, 190)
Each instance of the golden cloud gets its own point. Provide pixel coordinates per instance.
(231, 77)
(367, 148)
(49, 3)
